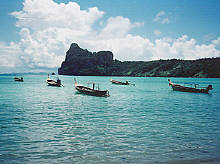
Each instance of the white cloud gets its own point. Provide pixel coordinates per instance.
(161, 13)
(127, 48)
(216, 42)
(47, 29)
(161, 18)
(118, 27)
(42, 14)
(157, 32)
(9, 55)
(165, 21)
(183, 48)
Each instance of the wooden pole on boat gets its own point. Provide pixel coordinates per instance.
(75, 82)
(169, 82)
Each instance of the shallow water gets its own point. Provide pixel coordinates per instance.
(145, 123)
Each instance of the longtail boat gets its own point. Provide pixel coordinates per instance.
(18, 79)
(195, 89)
(54, 83)
(119, 82)
(91, 91)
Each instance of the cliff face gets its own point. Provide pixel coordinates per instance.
(82, 62)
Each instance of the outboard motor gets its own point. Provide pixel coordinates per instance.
(59, 82)
(209, 87)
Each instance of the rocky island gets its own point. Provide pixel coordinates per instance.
(81, 62)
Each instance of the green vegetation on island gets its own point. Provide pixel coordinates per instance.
(81, 62)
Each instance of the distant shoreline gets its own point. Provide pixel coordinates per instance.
(142, 76)
(23, 74)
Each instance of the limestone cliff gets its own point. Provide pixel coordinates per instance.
(82, 62)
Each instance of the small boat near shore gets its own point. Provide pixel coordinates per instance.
(119, 82)
(54, 83)
(91, 91)
(19, 79)
(195, 89)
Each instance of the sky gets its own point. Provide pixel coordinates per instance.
(35, 34)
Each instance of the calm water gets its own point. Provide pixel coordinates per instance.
(145, 123)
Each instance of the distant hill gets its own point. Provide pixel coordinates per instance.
(81, 62)
(23, 73)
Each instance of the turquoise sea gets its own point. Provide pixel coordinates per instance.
(145, 123)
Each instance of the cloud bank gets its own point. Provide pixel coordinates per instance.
(48, 28)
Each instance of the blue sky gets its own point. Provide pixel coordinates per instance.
(35, 34)
(196, 18)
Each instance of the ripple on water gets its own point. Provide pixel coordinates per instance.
(144, 123)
